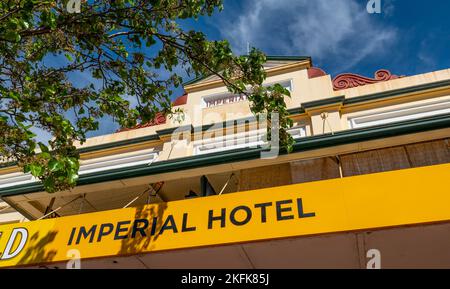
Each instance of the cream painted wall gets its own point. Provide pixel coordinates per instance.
(304, 90)
(387, 107)
(395, 84)
(326, 122)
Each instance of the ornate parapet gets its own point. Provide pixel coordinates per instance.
(314, 72)
(159, 119)
(349, 80)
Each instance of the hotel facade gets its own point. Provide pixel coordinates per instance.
(366, 185)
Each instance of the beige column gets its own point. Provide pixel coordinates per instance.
(176, 144)
(325, 114)
(325, 121)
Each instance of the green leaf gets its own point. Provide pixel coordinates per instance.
(72, 178)
(36, 170)
(14, 95)
(55, 165)
(25, 24)
(12, 36)
(26, 169)
(49, 185)
(126, 67)
(69, 57)
(45, 155)
(73, 163)
(43, 147)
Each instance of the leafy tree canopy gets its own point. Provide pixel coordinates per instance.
(124, 45)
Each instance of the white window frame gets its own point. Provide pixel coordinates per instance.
(249, 139)
(118, 161)
(90, 166)
(227, 142)
(412, 111)
(298, 131)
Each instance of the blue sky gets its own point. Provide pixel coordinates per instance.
(408, 37)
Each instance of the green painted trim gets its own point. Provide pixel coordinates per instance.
(288, 57)
(323, 102)
(304, 144)
(396, 92)
(8, 164)
(296, 111)
(170, 130)
(104, 146)
(194, 80)
(373, 133)
(292, 111)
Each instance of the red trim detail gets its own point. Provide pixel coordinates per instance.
(180, 100)
(314, 72)
(349, 80)
(159, 119)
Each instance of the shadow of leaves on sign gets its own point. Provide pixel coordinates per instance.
(140, 243)
(36, 251)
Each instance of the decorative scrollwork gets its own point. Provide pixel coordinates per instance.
(349, 80)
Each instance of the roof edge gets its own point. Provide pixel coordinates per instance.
(268, 58)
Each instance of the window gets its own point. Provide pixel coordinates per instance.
(90, 166)
(118, 161)
(298, 132)
(412, 111)
(249, 139)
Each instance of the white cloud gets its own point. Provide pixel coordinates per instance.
(337, 31)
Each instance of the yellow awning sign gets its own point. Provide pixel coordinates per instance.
(396, 198)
